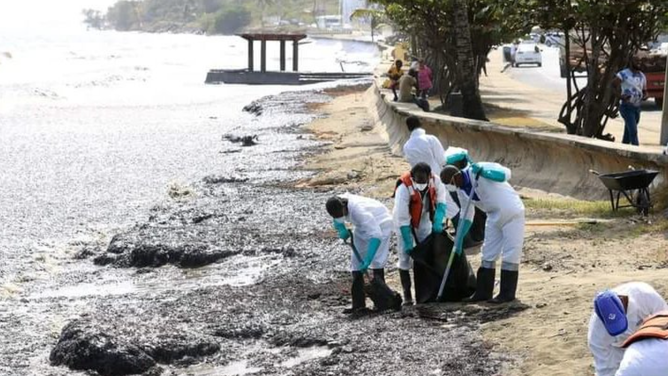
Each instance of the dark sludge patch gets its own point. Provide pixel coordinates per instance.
(126, 251)
(82, 347)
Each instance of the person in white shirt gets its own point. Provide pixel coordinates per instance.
(631, 86)
(426, 148)
(617, 314)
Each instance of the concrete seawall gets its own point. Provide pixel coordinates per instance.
(551, 162)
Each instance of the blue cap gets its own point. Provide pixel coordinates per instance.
(610, 310)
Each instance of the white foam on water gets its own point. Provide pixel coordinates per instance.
(307, 354)
(237, 368)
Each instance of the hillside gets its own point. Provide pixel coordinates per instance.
(210, 16)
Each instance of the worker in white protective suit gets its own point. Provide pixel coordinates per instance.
(426, 148)
(617, 314)
(487, 183)
(372, 229)
(418, 198)
(647, 349)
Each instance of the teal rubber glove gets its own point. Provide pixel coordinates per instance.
(437, 226)
(407, 236)
(459, 242)
(374, 244)
(344, 233)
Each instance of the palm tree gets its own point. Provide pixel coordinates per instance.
(468, 86)
(375, 16)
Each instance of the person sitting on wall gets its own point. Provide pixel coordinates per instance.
(407, 83)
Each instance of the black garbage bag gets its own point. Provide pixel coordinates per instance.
(430, 258)
(382, 296)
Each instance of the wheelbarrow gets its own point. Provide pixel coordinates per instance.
(634, 185)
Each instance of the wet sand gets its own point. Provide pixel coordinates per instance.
(545, 332)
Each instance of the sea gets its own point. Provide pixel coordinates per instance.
(97, 126)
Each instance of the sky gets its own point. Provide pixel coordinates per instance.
(18, 15)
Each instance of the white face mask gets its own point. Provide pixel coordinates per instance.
(420, 187)
(340, 220)
(451, 188)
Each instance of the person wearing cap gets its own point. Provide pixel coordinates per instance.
(458, 157)
(646, 349)
(618, 312)
(486, 185)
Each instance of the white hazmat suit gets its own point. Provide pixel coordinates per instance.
(504, 230)
(643, 301)
(402, 216)
(425, 148)
(648, 357)
(370, 219)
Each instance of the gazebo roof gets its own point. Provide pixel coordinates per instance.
(273, 37)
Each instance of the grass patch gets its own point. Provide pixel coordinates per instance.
(658, 227)
(593, 228)
(592, 209)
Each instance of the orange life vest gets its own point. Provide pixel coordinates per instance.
(415, 203)
(655, 326)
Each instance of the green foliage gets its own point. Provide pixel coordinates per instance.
(229, 20)
(605, 34)
(93, 18)
(123, 15)
(210, 15)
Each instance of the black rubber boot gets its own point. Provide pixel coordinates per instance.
(357, 292)
(405, 276)
(484, 289)
(508, 287)
(379, 274)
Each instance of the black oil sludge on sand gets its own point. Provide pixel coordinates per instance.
(269, 304)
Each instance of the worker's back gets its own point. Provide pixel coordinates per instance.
(424, 148)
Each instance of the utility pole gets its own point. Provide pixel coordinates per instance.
(664, 117)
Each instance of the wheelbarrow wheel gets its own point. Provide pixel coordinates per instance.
(642, 202)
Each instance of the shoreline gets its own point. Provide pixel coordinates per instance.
(174, 286)
(563, 266)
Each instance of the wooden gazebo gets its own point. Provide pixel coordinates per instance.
(263, 77)
(281, 38)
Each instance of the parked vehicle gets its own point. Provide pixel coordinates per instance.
(528, 53)
(554, 39)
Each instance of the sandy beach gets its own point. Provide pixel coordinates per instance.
(567, 258)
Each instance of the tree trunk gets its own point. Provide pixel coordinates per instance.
(466, 70)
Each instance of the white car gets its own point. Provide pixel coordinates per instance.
(555, 39)
(528, 54)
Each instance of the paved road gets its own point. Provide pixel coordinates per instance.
(547, 79)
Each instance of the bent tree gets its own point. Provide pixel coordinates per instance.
(604, 35)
